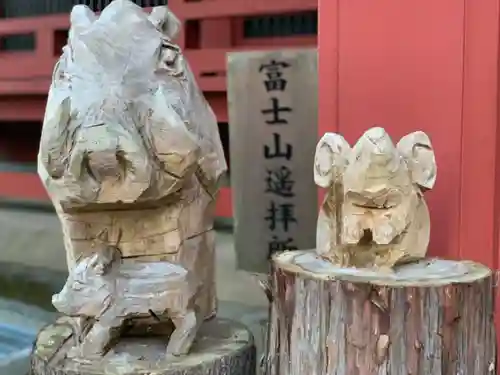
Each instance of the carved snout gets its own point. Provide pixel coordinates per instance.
(107, 164)
(107, 152)
(101, 165)
(417, 150)
(82, 16)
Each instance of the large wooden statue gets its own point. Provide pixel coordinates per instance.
(131, 157)
(366, 301)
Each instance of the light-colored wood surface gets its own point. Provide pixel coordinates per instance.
(222, 347)
(374, 198)
(130, 148)
(106, 291)
(429, 317)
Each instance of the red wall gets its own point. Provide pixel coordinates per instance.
(211, 29)
(429, 65)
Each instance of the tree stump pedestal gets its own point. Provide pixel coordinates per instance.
(429, 317)
(222, 347)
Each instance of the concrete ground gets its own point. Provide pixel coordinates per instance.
(33, 238)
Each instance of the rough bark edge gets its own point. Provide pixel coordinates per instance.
(316, 298)
(241, 362)
(238, 362)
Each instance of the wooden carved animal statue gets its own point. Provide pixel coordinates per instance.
(110, 290)
(130, 144)
(374, 203)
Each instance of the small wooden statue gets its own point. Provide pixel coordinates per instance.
(350, 306)
(108, 289)
(130, 148)
(374, 213)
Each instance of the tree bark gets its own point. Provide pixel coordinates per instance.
(429, 317)
(222, 347)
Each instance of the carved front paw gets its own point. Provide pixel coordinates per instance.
(94, 344)
(384, 233)
(186, 327)
(351, 230)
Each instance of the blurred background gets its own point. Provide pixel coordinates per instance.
(404, 65)
(32, 261)
(32, 33)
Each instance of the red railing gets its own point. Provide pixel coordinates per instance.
(29, 72)
(233, 8)
(211, 29)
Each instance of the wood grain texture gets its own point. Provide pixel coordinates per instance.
(430, 317)
(222, 347)
(130, 145)
(104, 291)
(374, 198)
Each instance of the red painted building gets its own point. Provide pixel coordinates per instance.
(33, 32)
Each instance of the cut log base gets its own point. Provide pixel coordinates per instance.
(222, 347)
(430, 317)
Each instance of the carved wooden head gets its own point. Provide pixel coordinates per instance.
(125, 121)
(374, 166)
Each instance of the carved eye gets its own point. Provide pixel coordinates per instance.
(169, 56)
(77, 285)
(170, 59)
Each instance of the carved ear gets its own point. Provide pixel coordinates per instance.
(81, 17)
(165, 21)
(103, 236)
(95, 262)
(103, 259)
(416, 149)
(101, 262)
(330, 159)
